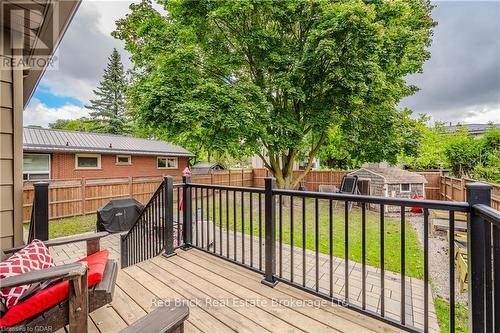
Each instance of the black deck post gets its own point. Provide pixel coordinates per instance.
(477, 241)
(168, 210)
(41, 211)
(187, 213)
(270, 230)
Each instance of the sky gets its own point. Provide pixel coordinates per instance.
(460, 83)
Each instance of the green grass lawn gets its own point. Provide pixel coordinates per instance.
(70, 226)
(442, 312)
(392, 257)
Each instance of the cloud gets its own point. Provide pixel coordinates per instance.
(85, 48)
(37, 113)
(461, 81)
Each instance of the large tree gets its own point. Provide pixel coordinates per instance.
(272, 78)
(108, 109)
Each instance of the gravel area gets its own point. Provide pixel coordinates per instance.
(438, 261)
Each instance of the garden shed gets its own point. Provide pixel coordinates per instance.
(205, 168)
(390, 182)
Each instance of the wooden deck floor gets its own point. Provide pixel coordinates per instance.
(223, 297)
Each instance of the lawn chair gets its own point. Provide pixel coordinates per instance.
(87, 285)
(349, 185)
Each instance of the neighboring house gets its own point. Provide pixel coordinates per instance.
(57, 154)
(390, 182)
(30, 42)
(204, 168)
(473, 129)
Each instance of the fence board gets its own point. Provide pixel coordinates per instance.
(72, 197)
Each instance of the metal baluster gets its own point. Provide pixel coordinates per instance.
(260, 231)
(227, 224)
(316, 240)
(426, 270)
(208, 220)
(403, 266)
(303, 241)
(179, 218)
(346, 250)
(281, 236)
(214, 220)
(291, 239)
(196, 213)
(496, 276)
(242, 227)
(382, 261)
(330, 240)
(451, 254)
(251, 229)
(234, 227)
(363, 254)
(202, 222)
(220, 222)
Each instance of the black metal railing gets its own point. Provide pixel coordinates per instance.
(224, 222)
(158, 228)
(302, 239)
(39, 221)
(484, 261)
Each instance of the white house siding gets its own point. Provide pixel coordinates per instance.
(11, 106)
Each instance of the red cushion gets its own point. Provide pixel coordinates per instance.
(47, 298)
(32, 257)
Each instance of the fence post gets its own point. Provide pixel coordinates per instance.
(82, 194)
(130, 187)
(41, 215)
(168, 216)
(477, 235)
(187, 214)
(270, 230)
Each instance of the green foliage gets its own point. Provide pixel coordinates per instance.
(80, 125)
(373, 140)
(273, 78)
(489, 160)
(108, 109)
(443, 316)
(462, 153)
(430, 153)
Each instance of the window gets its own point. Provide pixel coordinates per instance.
(167, 163)
(88, 161)
(123, 159)
(405, 188)
(36, 166)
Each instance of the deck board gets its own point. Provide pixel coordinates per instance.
(200, 280)
(332, 315)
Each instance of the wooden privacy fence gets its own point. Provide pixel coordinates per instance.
(453, 189)
(73, 197)
(311, 181)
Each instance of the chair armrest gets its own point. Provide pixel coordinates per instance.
(89, 238)
(65, 272)
(164, 319)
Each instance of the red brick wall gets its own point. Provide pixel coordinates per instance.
(63, 167)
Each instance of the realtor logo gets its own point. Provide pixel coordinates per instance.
(29, 34)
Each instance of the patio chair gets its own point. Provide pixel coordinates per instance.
(165, 319)
(86, 285)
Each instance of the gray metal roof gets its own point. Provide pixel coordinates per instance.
(395, 175)
(477, 128)
(205, 167)
(49, 140)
